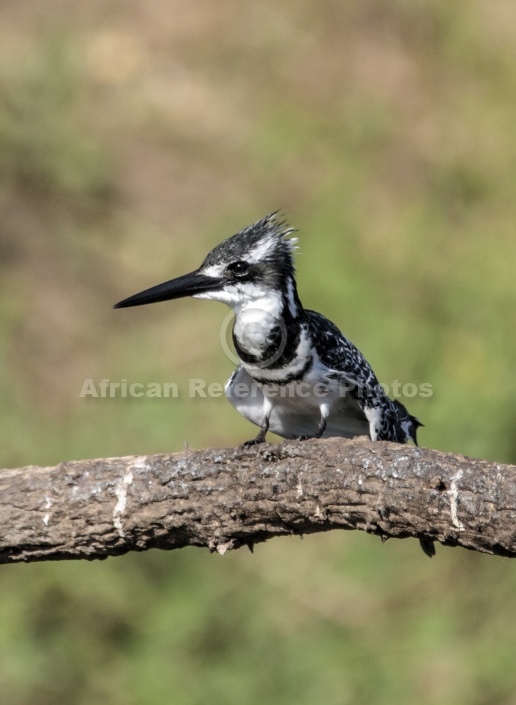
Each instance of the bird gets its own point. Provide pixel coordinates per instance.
(298, 375)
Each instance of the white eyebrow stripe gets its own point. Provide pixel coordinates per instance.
(261, 250)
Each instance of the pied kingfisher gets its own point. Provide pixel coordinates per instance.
(298, 375)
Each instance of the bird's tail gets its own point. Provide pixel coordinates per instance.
(406, 429)
(406, 425)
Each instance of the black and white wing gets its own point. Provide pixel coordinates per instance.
(388, 419)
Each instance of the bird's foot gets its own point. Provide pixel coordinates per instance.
(260, 438)
(318, 434)
(253, 442)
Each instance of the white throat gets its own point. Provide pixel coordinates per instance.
(254, 320)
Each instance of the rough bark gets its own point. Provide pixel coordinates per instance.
(227, 498)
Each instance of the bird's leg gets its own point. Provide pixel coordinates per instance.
(374, 417)
(321, 427)
(260, 438)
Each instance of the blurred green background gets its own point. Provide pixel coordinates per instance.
(134, 136)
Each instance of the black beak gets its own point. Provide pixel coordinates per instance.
(187, 285)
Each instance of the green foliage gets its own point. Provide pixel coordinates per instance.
(132, 143)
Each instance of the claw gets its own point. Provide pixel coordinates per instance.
(320, 430)
(253, 442)
(260, 438)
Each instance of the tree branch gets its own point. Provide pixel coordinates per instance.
(227, 498)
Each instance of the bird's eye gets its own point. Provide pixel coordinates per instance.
(239, 268)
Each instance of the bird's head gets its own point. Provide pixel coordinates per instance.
(248, 267)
